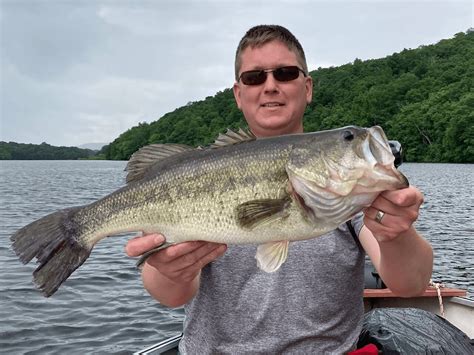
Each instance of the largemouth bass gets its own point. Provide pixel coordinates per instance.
(240, 190)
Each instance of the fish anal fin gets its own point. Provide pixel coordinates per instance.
(258, 212)
(270, 256)
(141, 161)
(147, 254)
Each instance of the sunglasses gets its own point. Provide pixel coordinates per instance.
(257, 77)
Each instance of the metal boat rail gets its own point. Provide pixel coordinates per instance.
(166, 347)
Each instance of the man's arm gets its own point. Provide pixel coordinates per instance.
(172, 275)
(402, 257)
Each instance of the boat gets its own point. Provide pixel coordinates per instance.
(166, 347)
(449, 303)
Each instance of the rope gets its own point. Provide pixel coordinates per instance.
(438, 287)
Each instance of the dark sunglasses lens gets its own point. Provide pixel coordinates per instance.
(257, 77)
(286, 73)
(253, 77)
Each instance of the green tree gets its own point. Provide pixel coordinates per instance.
(422, 97)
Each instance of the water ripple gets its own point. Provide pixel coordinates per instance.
(103, 307)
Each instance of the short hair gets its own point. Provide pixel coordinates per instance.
(259, 35)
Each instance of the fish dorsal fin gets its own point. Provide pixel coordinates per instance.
(145, 157)
(231, 137)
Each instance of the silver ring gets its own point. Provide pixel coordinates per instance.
(378, 216)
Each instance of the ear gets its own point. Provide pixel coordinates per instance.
(236, 89)
(309, 89)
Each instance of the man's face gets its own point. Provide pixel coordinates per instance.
(274, 107)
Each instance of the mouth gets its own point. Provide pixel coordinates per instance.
(272, 104)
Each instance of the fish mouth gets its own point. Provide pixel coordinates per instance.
(380, 159)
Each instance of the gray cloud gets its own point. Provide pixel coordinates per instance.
(75, 72)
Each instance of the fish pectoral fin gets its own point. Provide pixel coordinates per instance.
(257, 212)
(270, 256)
(147, 254)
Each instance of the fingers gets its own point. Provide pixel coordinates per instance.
(203, 256)
(180, 262)
(139, 245)
(187, 254)
(388, 228)
(178, 251)
(400, 209)
(405, 202)
(404, 197)
(183, 262)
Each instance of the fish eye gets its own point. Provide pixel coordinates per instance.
(348, 135)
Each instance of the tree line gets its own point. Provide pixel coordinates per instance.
(43, 151)
(421, 97)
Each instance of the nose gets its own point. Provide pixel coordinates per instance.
(270, 85)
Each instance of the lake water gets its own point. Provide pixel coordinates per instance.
(103, 308)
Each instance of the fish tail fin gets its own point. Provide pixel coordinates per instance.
(54, 241)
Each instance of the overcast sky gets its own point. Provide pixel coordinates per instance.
(75, 72)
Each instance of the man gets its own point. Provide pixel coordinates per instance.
(313, 303)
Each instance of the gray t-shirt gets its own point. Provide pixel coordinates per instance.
(312, 304)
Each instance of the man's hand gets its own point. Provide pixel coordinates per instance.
(180, 263)
(402, 257)
(400, 210)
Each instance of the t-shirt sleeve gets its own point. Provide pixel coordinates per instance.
(358, 222)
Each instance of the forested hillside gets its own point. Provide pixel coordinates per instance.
(43, 151)
(422, 97)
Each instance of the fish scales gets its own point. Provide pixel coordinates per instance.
(206, 187)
